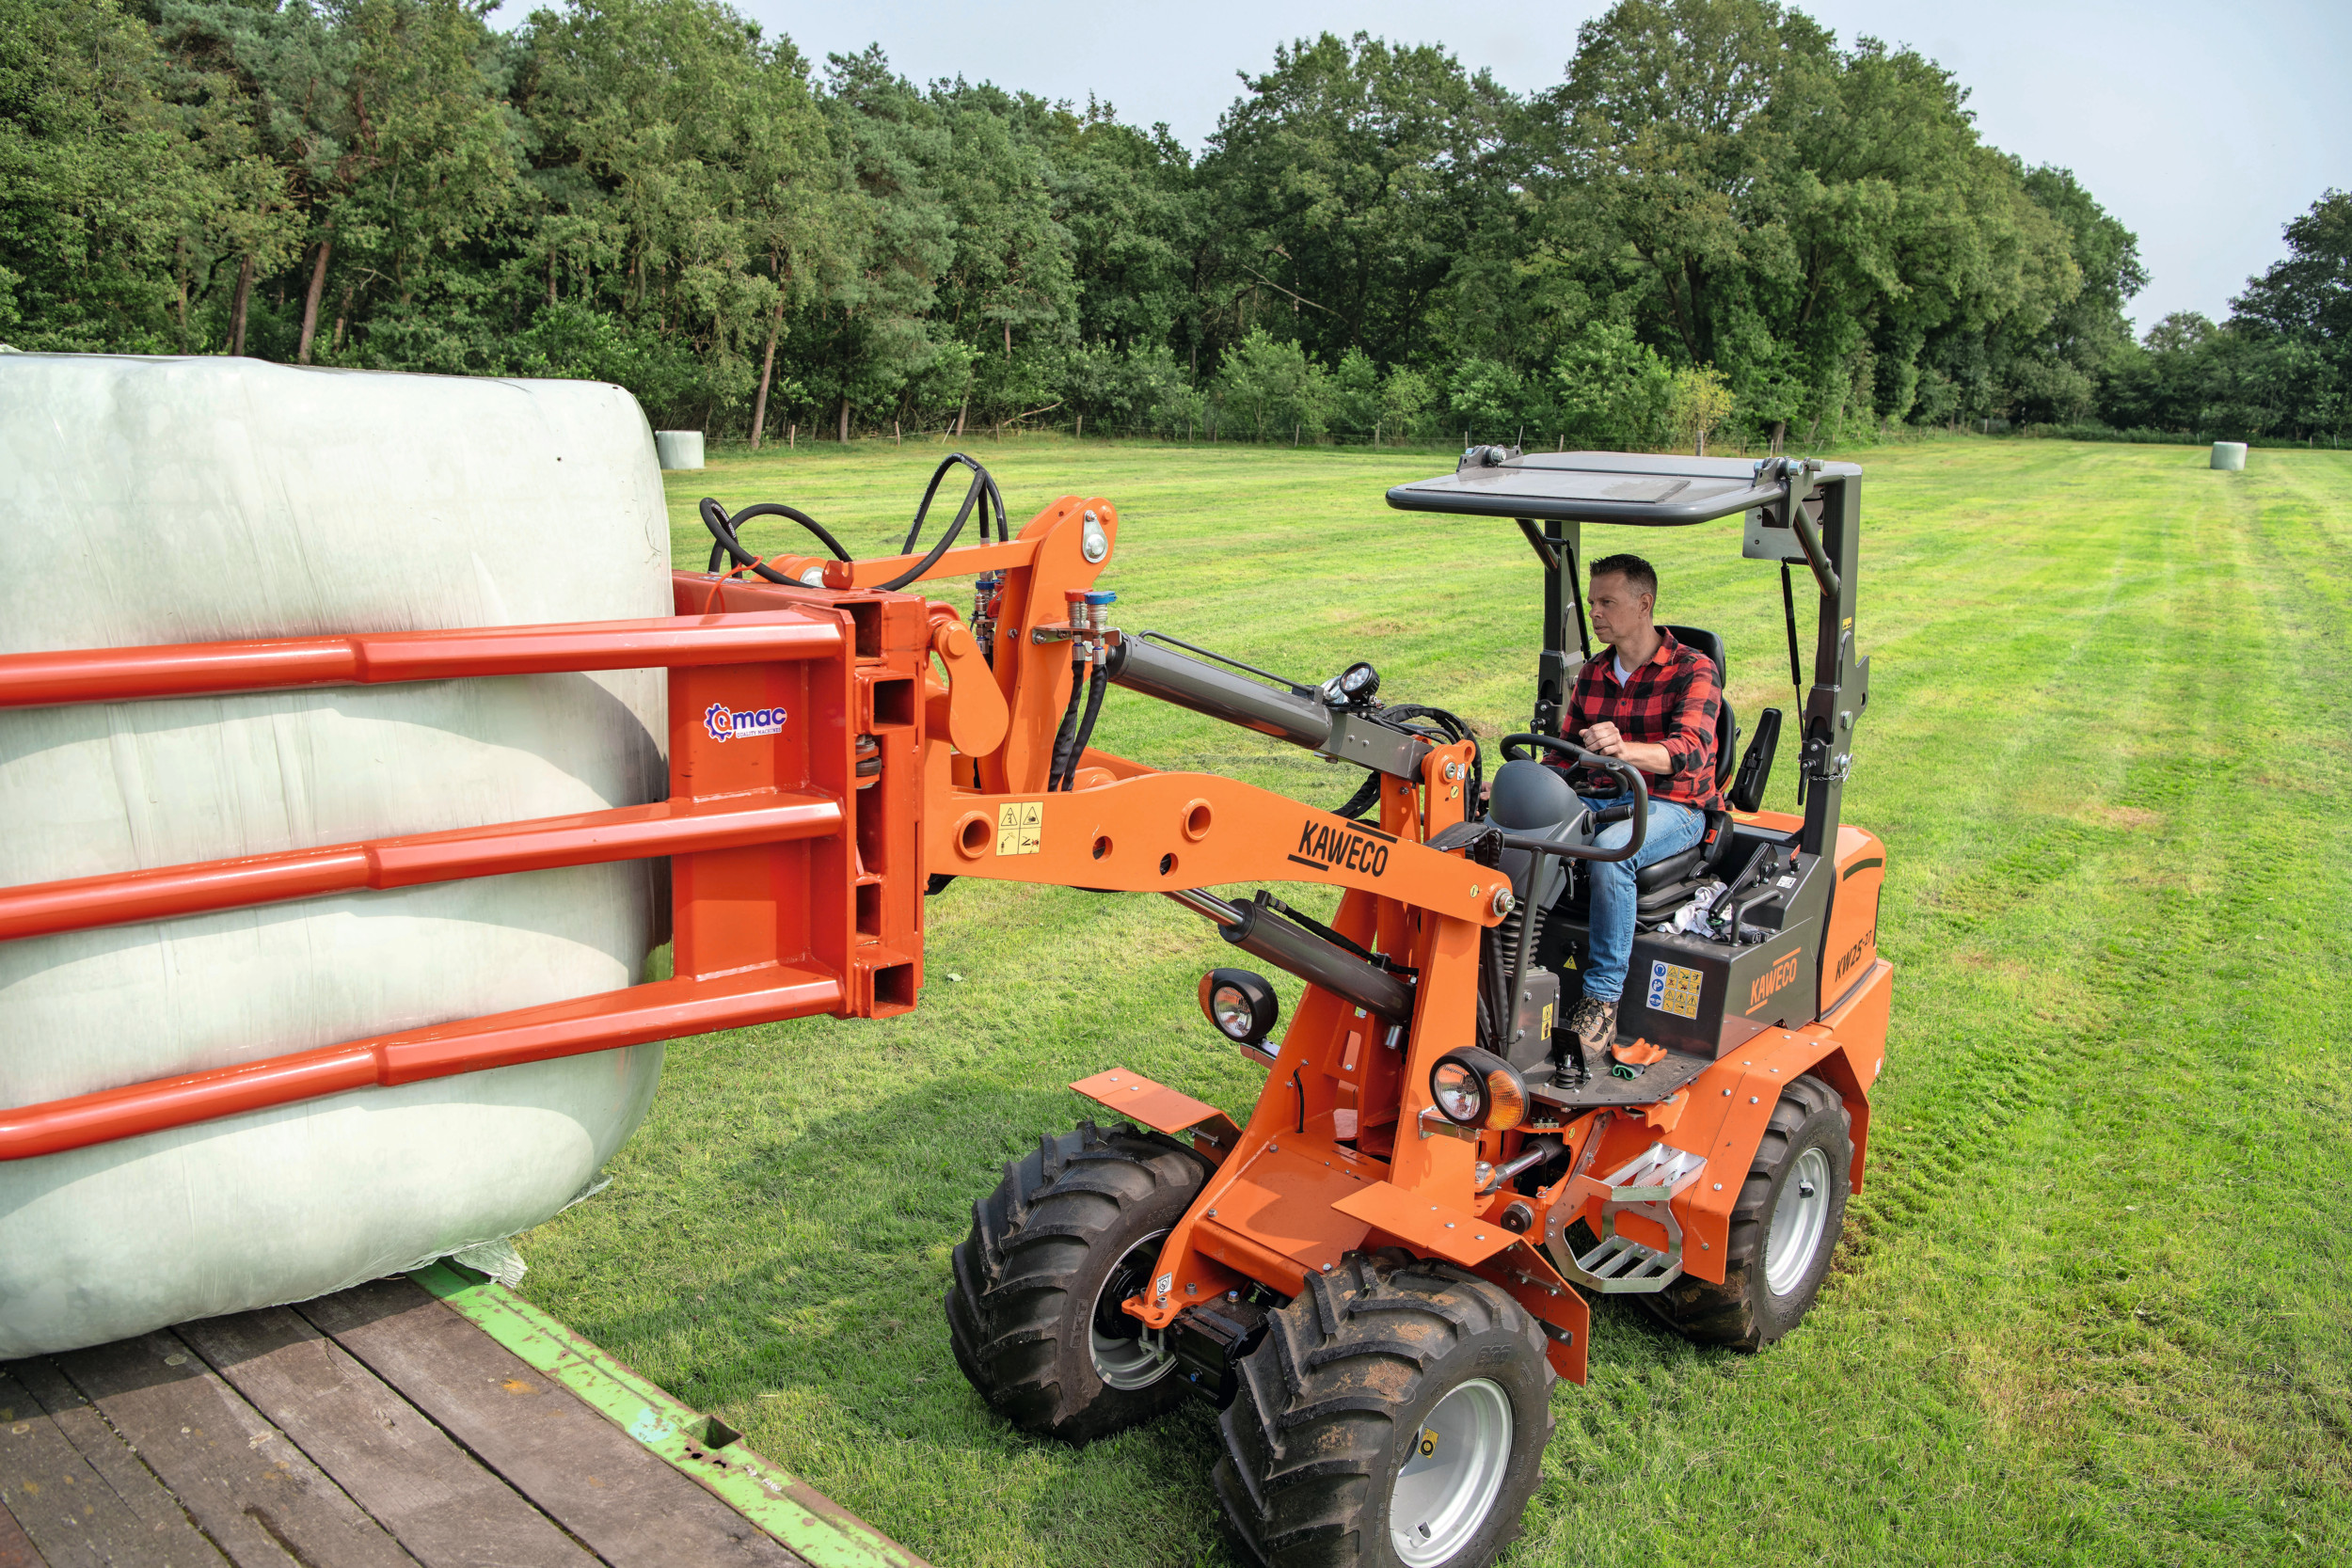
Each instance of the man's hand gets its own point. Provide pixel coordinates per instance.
(1604, 737)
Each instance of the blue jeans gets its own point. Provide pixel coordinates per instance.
(1673, 828)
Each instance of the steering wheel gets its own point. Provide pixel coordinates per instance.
(1516, 748)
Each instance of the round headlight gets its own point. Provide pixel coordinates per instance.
(1241, 1004)
(1460, 1093)
(1477, 1089)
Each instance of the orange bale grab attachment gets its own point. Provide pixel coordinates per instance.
(779, 903)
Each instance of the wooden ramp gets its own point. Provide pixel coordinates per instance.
(433, 1420)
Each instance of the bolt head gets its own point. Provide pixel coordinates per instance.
(1502, 901)
(1094, 543)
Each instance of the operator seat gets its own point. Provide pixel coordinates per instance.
(1707, 858)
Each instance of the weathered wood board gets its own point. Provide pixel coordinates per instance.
(379, 1428)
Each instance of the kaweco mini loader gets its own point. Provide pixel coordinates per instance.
(1380, 1273)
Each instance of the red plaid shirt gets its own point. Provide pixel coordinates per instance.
(1671, 701)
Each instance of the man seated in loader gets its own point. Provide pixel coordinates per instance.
(1646, 699)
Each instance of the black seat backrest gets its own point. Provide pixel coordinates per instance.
(1726, 727)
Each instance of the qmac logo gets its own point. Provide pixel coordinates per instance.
(741, 723)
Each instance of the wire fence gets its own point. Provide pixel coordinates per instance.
(1451, 442)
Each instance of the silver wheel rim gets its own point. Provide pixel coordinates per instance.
(1451, 1474)
(1799, 1218)
(1122, 1363)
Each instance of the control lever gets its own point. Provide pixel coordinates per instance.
(1761, 866)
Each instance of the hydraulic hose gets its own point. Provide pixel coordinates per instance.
(1438, 726)
(1099, 684)
(1068, 730)
(983, 493)
(982, 496)
(724, 543)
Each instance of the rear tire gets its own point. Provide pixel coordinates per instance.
(1782, 1230)
(1033, 1313)
(1394, 1416)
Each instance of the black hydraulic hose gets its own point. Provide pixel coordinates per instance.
(980, 477)
(1095, 688)
(983, 493)
(724, 541)
(1441, 727)
(1069, 731)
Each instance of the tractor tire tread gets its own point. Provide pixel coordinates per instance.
(1011, 1279)
(1308, 1439)
(1725, 1314)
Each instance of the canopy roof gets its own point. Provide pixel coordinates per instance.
(1646, 489)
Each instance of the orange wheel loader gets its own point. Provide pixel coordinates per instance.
(1378, 1275)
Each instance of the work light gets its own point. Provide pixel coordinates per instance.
(1240, 1003)
(1352, 686)
(1477, 1089)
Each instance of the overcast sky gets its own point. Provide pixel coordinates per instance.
(2204, 128)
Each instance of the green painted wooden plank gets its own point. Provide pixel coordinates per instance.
(779, 1502)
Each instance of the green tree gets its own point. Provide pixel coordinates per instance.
(1270, 387)
(686, 181)
(2297, 319)
(1796, 216)
(1613, 389)
(106, 181)
(1355, 391)
(1405, 400)
(1348, 179)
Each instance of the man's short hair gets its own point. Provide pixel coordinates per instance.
(1636, 571)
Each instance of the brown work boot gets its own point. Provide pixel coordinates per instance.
(1593, 1023)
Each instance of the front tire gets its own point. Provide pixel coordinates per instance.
(1784, 1229)
(1033, 1313)
(1394, 1416)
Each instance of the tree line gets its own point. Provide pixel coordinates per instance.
(1720, 222)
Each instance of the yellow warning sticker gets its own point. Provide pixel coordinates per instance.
(1673, 989)
(1020, 827)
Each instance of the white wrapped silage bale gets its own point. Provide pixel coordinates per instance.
(199, 499)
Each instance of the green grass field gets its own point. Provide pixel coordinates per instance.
(2096, 1304)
